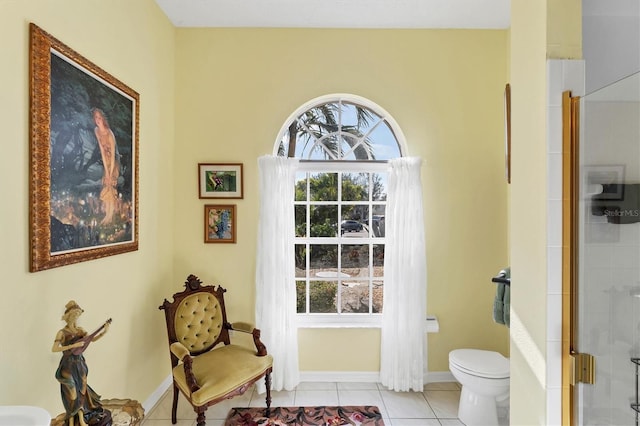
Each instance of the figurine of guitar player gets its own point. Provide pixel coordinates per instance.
(81, 403)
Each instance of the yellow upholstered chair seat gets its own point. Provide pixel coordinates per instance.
(221, 370)
(206, 367)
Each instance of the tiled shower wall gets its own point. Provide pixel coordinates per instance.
(610, 280)
(609, 253)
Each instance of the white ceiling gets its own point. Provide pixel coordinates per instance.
(339, 13)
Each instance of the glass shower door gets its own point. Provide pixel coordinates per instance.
(608, 296)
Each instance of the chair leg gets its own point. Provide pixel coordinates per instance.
(201, 421)
(267, 381)
(174, 406)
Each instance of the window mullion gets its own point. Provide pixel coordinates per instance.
(307, 246)
(339, 274)
(307, 283)
(370, 260)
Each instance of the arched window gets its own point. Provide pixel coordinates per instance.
(340, 127)
(343, 143)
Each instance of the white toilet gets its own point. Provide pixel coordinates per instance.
(484, 376)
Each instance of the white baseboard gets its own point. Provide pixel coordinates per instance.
(154, 398)
(340, 376)
(439, 376)
(366, 376)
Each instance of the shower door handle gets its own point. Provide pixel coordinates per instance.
(584, 368)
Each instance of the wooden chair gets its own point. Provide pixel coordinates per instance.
(203, 370)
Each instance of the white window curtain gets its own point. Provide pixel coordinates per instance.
(275, 264)
(403, 343)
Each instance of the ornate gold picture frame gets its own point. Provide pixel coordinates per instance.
(83, 183)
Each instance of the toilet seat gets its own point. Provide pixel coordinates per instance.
(476, 362)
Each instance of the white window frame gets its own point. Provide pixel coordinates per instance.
(342, 320)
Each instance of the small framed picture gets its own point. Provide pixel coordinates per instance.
(220, 180)
(220, 223)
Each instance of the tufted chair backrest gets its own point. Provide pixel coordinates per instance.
(196, 317)
(198, 321)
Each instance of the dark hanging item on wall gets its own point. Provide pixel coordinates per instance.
(624, 208)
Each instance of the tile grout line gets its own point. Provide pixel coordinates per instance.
(334, 387)
(386, 411)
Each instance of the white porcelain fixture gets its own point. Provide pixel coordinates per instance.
(484, 376)
(23, 415)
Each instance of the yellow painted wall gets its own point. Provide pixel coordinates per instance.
(528, 210)
(134, 42)
(564, 29)
(236, 87)
(539, 30)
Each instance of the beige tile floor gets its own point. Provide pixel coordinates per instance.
(437, 405)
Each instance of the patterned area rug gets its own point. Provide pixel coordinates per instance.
(306, 416)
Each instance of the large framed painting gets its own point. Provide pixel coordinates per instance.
(84, 158)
